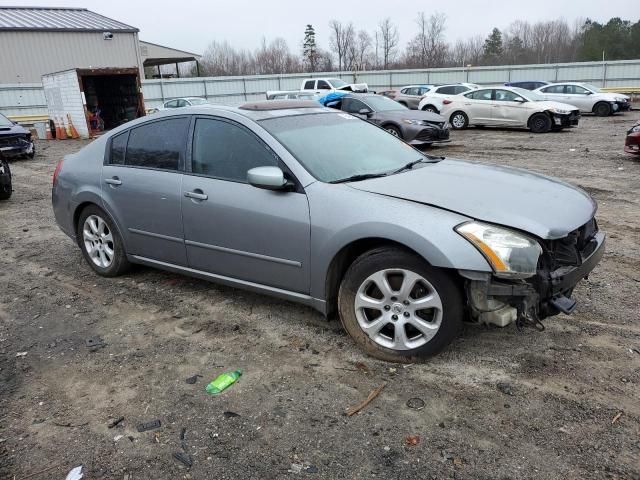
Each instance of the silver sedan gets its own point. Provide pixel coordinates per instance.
(320, 207)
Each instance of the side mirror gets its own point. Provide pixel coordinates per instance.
(364, 111)
(269, 178)
(519, 100)
(588, 92)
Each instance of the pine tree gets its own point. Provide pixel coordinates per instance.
(309, 48)
(493, 47)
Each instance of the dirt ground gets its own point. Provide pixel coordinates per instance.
(498, 403)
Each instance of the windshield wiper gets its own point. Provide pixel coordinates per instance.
(361, 176)
(410, 165)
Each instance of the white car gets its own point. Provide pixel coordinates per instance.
(323, 85)
(179, 103)
(433, 100)
(586, 97)
(509, 107)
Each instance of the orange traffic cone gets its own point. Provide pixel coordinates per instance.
(72, 129)
(58, 129)
(47, 132)
(63, 130)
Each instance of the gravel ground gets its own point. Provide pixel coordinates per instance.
(498, 404)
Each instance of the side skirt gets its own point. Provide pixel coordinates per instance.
(315, 303)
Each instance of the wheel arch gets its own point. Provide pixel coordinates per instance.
(97, 202)
(545, 112)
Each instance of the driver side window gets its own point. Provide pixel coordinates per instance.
(322, 85)
(576, 90)
(479, 95)
(505, 96)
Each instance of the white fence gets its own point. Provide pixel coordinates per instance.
(27, 99)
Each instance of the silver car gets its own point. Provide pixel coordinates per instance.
(317, 206)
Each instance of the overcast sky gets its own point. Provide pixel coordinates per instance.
(192, 24)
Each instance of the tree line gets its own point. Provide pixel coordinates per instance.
(351, 49)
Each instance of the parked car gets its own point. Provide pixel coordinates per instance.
(434, 99)
(509, 107)
(291, 95)
(322, 85)
(528, 84)
(310, 204)
(632, 142)
(15, 140)
(181, 103)
(588, 98)
(414, 127)
(5, 177)
(411, 95)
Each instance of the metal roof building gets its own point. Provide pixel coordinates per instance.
(39, 40)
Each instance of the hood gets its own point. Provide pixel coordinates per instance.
(411, 115)
(611, 97)
(546, 207)
(559, 105)
(355, 87)
(13, 130)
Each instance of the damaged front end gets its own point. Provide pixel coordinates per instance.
(527, 299)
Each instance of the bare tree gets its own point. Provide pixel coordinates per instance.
(275, 57)
(389, 40)
(360, 51)
(341, 39)
(429, 44)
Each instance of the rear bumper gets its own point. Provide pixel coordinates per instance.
(632, 143)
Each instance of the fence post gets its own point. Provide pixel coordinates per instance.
(279, 82)
(604, 74)
(390, 80)
(557, 69)
(244, 88)
(204, 84)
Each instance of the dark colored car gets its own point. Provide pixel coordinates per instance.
(15, 140)
(632, 142)
(528, 84)
(413, 126)
(5, 177)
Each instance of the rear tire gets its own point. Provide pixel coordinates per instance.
(602, 109)
(540, 123)
(430, 108)
(6, 190)
(415, 313)
(100, 242)
(459, 120)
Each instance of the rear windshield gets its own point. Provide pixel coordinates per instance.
(335, 146)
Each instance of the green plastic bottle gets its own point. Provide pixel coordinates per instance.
(223, 382)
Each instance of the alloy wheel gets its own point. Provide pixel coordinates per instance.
(458, 120)
(398, 309)
(98, 241)
(393, 132)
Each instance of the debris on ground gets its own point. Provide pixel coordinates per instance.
(183, 458)
(118, 437)
(146, 426)
(296, 468)
(21, 354)
(415, 403)
(505, 388)
(373, 394)
(75, 474)
(229, 414)
(223, 382)
(94, 343)
(192, 380)
(362, 367)
(412, 440)
(616, 418)
(114, 423)
(311, 469)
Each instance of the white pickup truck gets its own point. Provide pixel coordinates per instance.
(324, 85)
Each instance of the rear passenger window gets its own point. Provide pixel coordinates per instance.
(554, 89)
(447, 90)
(228, 151)
(158, 144)
(322, 85)
(118, 148)
(309, 84)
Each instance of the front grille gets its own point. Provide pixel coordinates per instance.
(570, 250)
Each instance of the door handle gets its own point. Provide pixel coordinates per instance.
(113, 181)
(196, 195)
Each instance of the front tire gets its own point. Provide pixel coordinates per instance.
(398, 308)
(602, 109)
(430, 108)
(459, 120)
(540, 123)
(393, 131)
(6, 189)
(101, 243)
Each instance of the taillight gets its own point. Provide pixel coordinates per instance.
(446, 101)
(57, 171)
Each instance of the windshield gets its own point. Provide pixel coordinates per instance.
(382, 104)
(337, 83)
(528, 94)
(198, 101)
(335, 146)
(593, 88)
(5, 122)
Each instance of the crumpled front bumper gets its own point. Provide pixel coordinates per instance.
(632, 143)
(16, 145)
(566, 120)
(420, 135)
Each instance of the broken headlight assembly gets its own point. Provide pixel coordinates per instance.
(511, 254)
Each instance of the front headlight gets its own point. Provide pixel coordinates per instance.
(621, 99)
(414, 122)
(635, 129)
(560, 111)
(511, 254)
